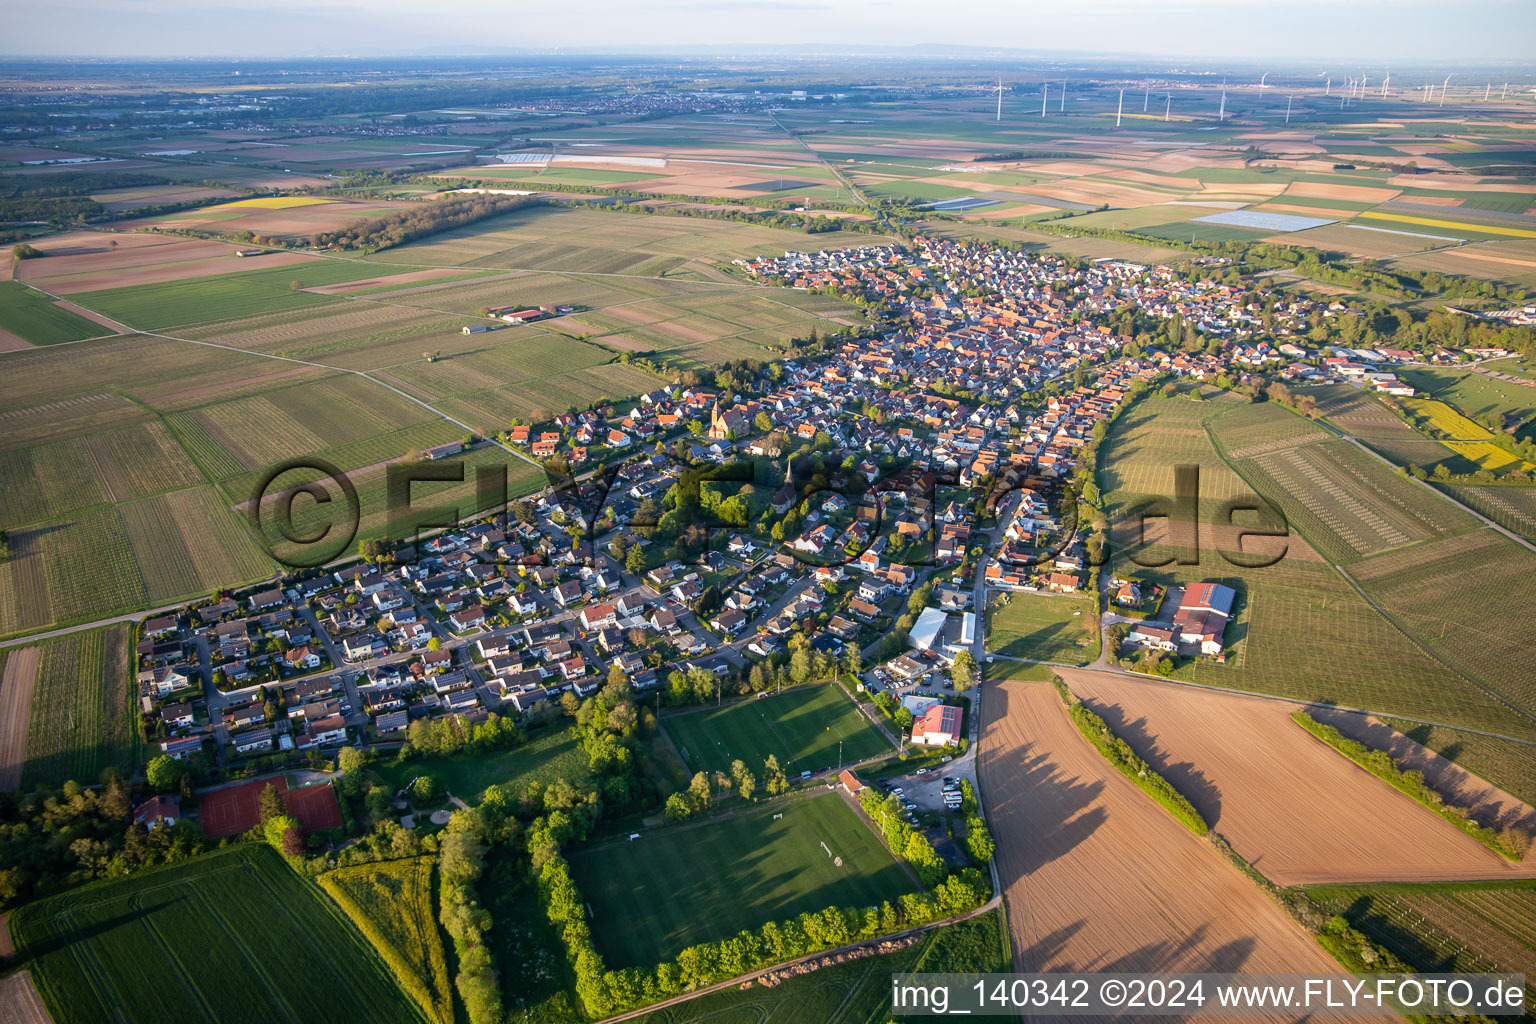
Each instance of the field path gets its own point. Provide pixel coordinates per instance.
(1298, 810)
(19, 1001)
(15, 713)
(1100, 878)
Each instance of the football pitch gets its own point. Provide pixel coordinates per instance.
(656, 896)
(802, 728)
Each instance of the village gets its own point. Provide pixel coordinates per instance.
(861, 506)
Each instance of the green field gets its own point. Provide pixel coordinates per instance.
(116, 558)
(1513, 508)
(1455, 595)
(234, 935)
(1044, 627)
(1346, 503)
(802, 728)
(158, 306)
(1469, 927)
(857, 992)
(33, 317)
(1475, 394)
(552, 753)
(654, 897)
(84, 717)
(1300, 629)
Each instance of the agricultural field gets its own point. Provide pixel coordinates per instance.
(1248, 431)
(156, 307)
(1513, 508)
(1360, 414)
(286, 217)
(1454, 926)
(84, 261)
(1297, 808)
(83, 717)
(433, 503)
(746, 871)
(1352, 655)
(208, 939)
(858, 991)
(802, 728)
(1468, 439)
(115, 558)
(34, 318)
(392, 905)
(1044, 627)
(1062, 813)
(1455, 595)
(563, 239)
(552, 753)
(1346, 503)
(1476, 395)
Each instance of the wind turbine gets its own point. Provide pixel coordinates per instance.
(1063, 96)
(1169, 109)
(1386, 82)
(1486, 90)
(1328, 86)
(1288, 100)
(1363, 80)
(1261, 83)
(1222, 114)
(1120, 109)
(1505, 94)
(1145, 99)
(1045, 93)
(999, 97)
(1442, 88)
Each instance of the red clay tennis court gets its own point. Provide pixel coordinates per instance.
(228, 812)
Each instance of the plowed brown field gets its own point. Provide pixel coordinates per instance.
(15, 712)
(19, 1002)
(1100, 878)
(1293, 806)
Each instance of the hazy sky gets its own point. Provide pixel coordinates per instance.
(1363, 31)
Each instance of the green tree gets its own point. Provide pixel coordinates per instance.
(164, 773)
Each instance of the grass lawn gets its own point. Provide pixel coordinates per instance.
(1046, 627)
(553, 752)
(655, 897)
(234, 935)
(802, 728)
(33, 316)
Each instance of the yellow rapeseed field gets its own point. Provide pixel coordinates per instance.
(271, 203)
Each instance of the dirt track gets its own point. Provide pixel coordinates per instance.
(15, 712)
(1100, 878)
(1296, 808)
(19, 1001)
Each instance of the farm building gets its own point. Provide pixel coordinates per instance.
(1203, 614)
(443, 451)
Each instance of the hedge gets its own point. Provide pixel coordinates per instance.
(1120, 754)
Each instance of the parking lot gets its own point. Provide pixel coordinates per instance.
(925, 789)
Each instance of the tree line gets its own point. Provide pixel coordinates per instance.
(426, 219)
